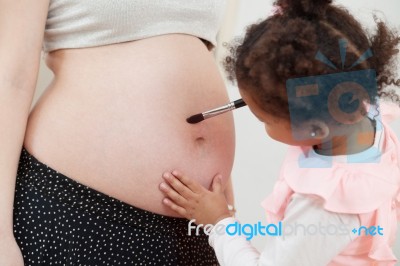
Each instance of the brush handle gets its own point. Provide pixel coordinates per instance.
(223, 109)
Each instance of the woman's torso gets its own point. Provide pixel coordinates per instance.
(113, 117)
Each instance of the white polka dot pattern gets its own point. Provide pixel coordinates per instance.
(58, 221)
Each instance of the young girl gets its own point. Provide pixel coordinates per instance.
(312, 75)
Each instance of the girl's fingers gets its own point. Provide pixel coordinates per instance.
(172, 194)
(178, 209)
(188, 182)
(178, 186)
(217, 184)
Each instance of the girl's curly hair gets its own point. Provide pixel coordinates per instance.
(284, 47)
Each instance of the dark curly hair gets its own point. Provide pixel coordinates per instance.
(284, 47)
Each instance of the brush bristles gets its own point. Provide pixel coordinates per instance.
(194, 119)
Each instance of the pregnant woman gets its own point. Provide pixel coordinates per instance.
(126, 76)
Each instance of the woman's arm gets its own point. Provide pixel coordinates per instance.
(22, 25)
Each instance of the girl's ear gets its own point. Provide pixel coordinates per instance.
(312, 129)
(316, 129)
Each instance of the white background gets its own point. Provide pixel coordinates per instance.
(258, 158)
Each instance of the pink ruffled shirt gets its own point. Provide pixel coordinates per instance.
(369, 190)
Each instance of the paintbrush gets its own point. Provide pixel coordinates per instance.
(194, 119)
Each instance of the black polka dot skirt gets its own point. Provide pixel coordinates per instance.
(58, 221)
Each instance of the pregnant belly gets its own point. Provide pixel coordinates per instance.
(116, 127)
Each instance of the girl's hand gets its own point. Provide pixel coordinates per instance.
(191, 200)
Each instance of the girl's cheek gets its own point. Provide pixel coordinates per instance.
(271, 132)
